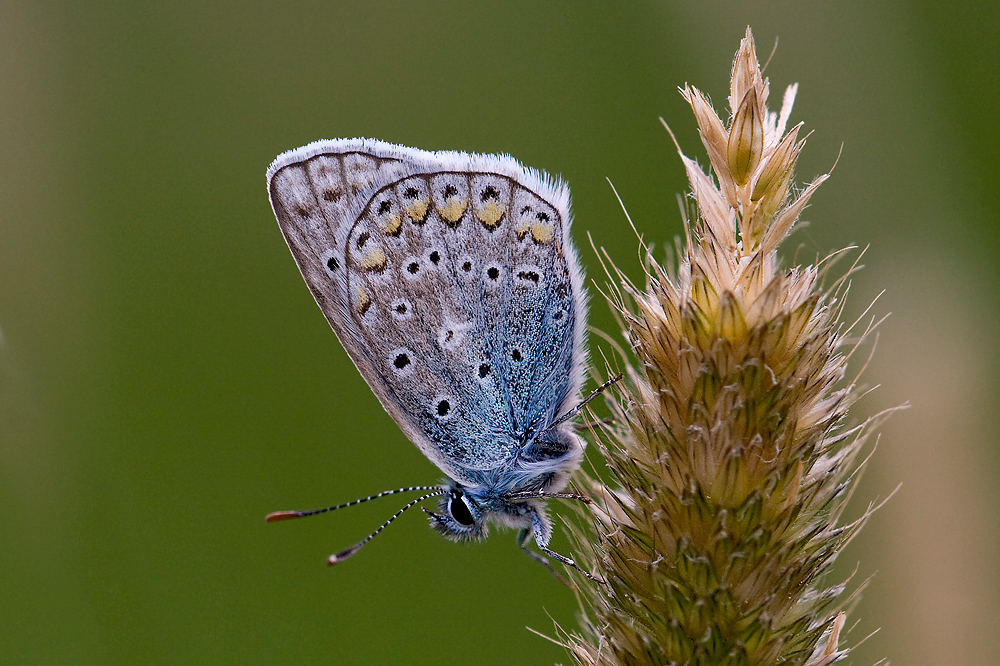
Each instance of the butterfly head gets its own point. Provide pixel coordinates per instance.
(461, 518)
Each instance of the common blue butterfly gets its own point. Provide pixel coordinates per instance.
(451, 280)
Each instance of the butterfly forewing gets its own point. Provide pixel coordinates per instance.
(450, 281)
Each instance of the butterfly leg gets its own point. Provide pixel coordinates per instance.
(586, 427)
(523, 537)
(542, 530)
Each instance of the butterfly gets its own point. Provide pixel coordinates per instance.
(452, 282)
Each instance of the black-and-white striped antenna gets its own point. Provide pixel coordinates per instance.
(344, 554)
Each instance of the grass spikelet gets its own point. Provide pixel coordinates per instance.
(728, 454)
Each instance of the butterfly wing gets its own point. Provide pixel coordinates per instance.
(450, 280)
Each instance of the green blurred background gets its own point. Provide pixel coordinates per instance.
(166, 379)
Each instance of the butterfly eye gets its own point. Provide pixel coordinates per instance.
(459, 510)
